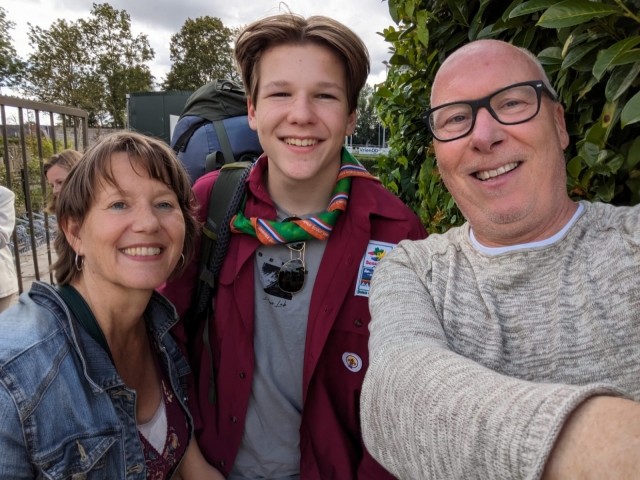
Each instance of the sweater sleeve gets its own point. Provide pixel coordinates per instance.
(428, 412)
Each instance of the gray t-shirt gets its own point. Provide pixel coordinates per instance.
(270, 447)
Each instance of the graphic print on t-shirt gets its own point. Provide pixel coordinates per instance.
(269, 273)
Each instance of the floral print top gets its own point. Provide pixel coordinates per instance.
(161, 464)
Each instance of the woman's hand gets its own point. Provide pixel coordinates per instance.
(195, 467)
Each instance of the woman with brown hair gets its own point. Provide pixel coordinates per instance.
(92, 385)
(56, 169)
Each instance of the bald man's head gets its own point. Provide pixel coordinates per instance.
(460, 57)
(499, 136)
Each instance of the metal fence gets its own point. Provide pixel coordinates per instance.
(23, 137)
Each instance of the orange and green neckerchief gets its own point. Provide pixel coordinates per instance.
(319, 226)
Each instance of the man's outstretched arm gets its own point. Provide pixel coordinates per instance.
(601, 439)
(428, 412)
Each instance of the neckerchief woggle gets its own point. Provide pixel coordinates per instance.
(319, 226)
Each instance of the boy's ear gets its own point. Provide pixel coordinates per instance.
(251, 113)
(352, 120)
(71, 230)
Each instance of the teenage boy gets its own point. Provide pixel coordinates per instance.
(290, 330)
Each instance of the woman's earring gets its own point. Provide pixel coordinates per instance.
(81, 264)
(181, 258)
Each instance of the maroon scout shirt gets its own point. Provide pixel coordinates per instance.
(331, 444)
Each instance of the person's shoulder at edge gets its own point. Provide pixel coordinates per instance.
(606, 217)
(6, 195)
(420, 254)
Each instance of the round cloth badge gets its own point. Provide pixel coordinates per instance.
(352, 361)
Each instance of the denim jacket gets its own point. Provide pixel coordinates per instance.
(64, 411)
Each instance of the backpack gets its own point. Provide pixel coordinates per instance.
(225, 200)
(213, 129)
(213, 133)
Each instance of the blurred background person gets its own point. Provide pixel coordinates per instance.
(8, 278)
(56, 169)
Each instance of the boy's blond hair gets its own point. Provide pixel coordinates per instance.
(292, 29)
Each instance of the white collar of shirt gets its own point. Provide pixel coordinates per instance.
(522, 246)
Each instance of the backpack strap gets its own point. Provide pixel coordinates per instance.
(225, 144)
(183, 140)
(214, 161)
(225, 200)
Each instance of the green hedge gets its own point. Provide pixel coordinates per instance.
(590, 52)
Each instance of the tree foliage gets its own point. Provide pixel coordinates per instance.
(10, 64)
(89, 64)
(367, 126)
(591, 52)
(60, 70)
(119, 58)
(201, 52)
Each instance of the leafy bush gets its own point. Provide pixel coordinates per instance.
(589, 52)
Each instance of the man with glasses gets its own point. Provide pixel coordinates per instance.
(509, 347)
(278, 395)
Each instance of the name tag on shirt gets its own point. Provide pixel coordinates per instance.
(375, 252)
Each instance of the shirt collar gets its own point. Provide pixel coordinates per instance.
(160, 316)
(364, 194)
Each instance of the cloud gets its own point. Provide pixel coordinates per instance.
(159, 19)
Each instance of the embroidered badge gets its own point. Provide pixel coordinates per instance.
(373, 254)
(352, 361)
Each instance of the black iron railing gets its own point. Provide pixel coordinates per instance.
(23, 140)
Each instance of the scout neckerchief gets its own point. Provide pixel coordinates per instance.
(319, 226)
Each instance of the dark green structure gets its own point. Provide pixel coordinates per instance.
(150, 113)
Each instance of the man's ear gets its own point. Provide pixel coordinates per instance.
(251, 113)
(352, 120)
(561, 125)
(71, 230)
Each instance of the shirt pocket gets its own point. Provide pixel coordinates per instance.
(353, 318)
(345, 353)
(79, 459)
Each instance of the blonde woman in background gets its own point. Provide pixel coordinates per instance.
(8, 279)
(56, 169)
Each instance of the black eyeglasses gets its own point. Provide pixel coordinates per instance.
(511, 105)
(292, 273)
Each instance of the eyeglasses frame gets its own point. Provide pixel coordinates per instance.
(485, 102)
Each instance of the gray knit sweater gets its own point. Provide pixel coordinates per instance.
(476, 360)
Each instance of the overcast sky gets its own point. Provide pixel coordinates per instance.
(159, 19)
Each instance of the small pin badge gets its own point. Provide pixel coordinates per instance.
(352, 361)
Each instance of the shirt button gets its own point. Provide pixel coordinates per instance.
(222, 463)
(358, 323)
(234, 419)
(241, 374)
